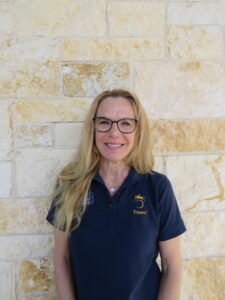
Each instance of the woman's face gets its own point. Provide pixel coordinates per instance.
(114, 145)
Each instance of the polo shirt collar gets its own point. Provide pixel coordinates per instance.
(132, 177)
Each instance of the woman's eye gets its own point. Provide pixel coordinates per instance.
(125, 123)
(104, 122)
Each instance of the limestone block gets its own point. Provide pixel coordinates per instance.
(5, 179)
(82, 79)
(6, 18)
(165, 88)
(196, 13)
(24, 216)
(19, 247)
(39, 49)
(33, 135)
(37, 170)
(7, 283)
(204, 236)
(198, 181)
(51, 110)
(204, 279)
(36, 276)
(41, 298)
(195, 42)
(68, 134)
(5, 130)
(113, 49)
(188, 135)
(60, 17)
(136, 19)
(159, 164)
(25, 79)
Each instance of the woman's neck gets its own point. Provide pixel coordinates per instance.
(113, 174)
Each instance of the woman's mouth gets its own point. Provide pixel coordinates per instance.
(114, 146)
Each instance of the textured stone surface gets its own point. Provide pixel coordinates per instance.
(82, 79)
(41, 298)
(198, 181)
(68, 134)
(24, 216)
(196, 13)
(195, 42)
(33, 135)
(5, 130)
(7, 282)
(188, 136)
(136, 19)
(165, 88)
(19, 247)
(36, 276)
(29, 79)
(51, 110)
(113, 49)
(6, 18)
(60, 17)
(204, 279)
(37, 170)
(5, 179)
(204, 235)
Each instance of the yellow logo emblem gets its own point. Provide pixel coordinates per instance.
(140, 202)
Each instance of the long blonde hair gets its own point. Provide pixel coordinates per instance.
(73, 182)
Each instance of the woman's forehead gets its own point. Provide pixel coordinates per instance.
(116, 106)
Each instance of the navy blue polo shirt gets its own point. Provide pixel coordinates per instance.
(114, 249)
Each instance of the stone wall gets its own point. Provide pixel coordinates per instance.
(55, 56)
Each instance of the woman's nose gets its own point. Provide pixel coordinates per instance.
(114, 131)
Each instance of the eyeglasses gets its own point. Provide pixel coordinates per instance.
(126, 125)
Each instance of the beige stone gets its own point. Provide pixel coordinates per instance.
(159, 164)
(33, 135)
(196, 13)
(68, 134)
(195, 42)
(6, 18)
(24, 246)
(5, 130)
(51, 110)
(7, 282)
(39, 49)
(113, 49)
(5, 179)
(198, 181)
(36, 276)
(204, 279)
(53, 297)
(165, 88)
(24, 216)
(188, 136)
(37, 170)
(41, 298)
(83, 79)
(136, 19)
(204, 235)
(25, 79)
(60, 17)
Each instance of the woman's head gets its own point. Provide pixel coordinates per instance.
(115, 145)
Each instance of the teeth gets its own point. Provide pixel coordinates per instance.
(113, 145)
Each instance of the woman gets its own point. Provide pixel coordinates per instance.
(112, 213)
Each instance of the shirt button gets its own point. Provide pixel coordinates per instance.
(110, 205)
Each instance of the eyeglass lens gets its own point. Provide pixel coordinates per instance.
(124, 125)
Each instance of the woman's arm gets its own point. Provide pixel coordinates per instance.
(62, 266)
(171, 263)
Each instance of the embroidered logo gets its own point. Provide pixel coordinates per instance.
(140, 203)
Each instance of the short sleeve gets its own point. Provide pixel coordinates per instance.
(52, 212)
(171, 223)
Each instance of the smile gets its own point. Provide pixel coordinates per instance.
(114, 146)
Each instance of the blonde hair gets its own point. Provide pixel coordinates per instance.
(73, 182)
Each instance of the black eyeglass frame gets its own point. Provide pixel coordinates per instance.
(93, 119)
